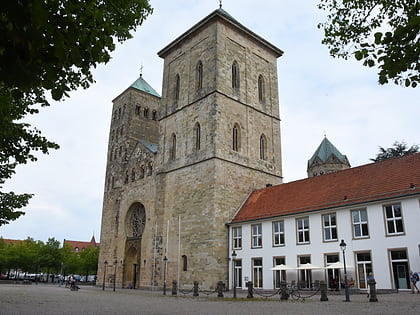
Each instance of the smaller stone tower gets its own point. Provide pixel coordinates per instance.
(326, 159)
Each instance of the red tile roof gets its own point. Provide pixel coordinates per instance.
(10, 241)
(371, 182)
(81, 245)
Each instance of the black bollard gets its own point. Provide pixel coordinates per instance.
(220, 288)
(323, 288)
(174, 287)
(284, 293)
(372, 291)
(250, 287)
(195, 290)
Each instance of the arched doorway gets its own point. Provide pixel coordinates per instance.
(134, 226)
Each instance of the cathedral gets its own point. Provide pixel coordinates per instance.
(180, 164)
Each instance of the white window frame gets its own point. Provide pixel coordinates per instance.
(328, 229)
(237, 237)
(256, 235)
(278, 235)
(303, 230)
(360, 223)
(393, 220)
(257, 273)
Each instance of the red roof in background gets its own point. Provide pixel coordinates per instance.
(10, 241)
(376, 181)
(81, 245)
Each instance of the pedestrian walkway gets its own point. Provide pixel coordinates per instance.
(52, 299)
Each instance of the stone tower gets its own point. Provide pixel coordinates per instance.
(215, 139)
(326, 159)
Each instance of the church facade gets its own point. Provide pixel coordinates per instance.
(180, 165)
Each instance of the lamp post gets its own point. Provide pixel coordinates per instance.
(115, 273)
(103, 283)
(234, 273)
(343, 246)
(165, 260)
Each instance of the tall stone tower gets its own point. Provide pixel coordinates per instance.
(218, 139)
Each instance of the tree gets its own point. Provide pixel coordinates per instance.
(379, 33)
(89, 261)
(71, 261)
(398, 149)
(50, 46)
(50, 256)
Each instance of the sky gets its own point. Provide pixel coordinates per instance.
(319, 96)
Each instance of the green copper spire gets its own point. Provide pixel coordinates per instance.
(142, 85)
(325, 150)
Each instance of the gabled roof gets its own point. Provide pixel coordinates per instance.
(223, 16)
(10, 241)
(398, 177)
(81, 245)
(324, 152)
(142, 85)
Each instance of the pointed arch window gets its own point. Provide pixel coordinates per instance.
(141, 171)
(154, 115)
(133, 175)
(146, 113)
(177, 87)
(184, 263)
(261, 89)
(235, 75)
(126, 177)
(149, 169)
(197, 136)
(236, 138)
(263, 147)
(172, 152)
(199, 75)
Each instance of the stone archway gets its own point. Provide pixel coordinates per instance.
(135, 222)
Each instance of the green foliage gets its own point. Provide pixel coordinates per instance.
(89, 260)
(36, 256)
(50, 255)
(398, 149)
(382, 33)
(50, 46)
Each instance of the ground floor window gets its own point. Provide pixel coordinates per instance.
(279, 275)
(237, 277)
(257, 272)
(364, 267)
(305, 275)
(333, 274)
(400, 270)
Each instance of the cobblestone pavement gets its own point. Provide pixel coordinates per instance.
(52, 299)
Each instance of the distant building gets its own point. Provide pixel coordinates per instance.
(327, 159)
(374, 208)
(10, 241)
(78, 246)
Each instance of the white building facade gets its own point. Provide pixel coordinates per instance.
(374, 208)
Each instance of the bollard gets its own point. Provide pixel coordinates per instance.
(372, 290)
(174, 287)
(220, 288)
(195, 290)
(284, 293)
(323, 288)
(250, 290)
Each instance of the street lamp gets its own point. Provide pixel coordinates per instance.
(234, 273)
(343, 246)
(115, 273)
(165, 260)
(103, 283)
